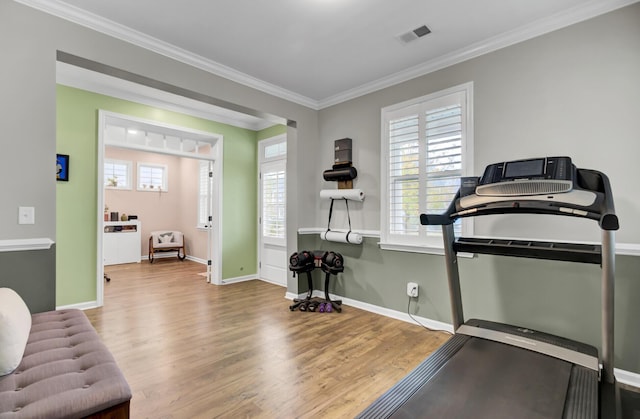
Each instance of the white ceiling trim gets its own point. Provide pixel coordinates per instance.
(572, 16)
(577, 14)
(124, 33)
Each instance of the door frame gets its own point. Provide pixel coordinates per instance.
(215, 233)
(261, 160)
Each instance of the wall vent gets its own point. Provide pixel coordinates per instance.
(410, 36)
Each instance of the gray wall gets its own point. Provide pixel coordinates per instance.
(29, 274)
(29, 41)
(586, 73)
(572, 92)
(27, 75)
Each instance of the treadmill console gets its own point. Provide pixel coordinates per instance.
(527, 177)
(548, 185)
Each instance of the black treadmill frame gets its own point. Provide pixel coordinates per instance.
(602, 210)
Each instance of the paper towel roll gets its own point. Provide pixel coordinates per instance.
(341, 237)
(351, 194)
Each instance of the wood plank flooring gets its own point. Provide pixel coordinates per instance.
(193, 350)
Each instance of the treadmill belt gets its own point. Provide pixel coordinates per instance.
(486, 379)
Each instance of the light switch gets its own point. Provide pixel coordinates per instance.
(26, 215)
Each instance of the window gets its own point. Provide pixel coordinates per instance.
(152, 177)
(203, 194)
(273, 202)
(117, 174)
(273, 190)
(275, 150)
(426, 146)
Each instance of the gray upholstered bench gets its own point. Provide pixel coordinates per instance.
(65, 372)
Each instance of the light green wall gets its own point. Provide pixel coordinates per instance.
(76, 211)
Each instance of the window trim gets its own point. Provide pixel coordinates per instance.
(272, 160)
(126, 163)
(433, 244)
(165, 177)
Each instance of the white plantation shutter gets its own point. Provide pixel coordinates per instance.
(404, 173)
(203, 194)
(425, 148)
(444, 159)
(273, 204)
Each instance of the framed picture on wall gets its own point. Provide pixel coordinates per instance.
(62, 167)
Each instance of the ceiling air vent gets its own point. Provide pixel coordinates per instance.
(405, 38)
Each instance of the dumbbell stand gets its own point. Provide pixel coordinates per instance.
(337, 304)
(304, 303)
(309, 303)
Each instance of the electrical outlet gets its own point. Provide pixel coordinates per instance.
(412, 289)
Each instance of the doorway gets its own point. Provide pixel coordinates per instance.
(141, 136)
(272, 252)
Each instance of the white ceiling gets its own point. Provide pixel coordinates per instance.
(321, 52)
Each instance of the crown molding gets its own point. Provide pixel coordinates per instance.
(124, 33)
(560, 20)
(540, 27)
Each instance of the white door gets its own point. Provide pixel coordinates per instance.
(205, 209)
(272, 219)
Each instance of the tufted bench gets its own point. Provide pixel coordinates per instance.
(65, 372)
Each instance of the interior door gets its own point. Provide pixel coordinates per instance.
(206, 207)
(272, 220)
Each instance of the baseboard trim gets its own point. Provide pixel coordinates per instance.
(394, 314)
(197, 260)
(174, 254)
(239, 279)
(79, 306)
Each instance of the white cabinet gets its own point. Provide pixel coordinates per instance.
(121, 242)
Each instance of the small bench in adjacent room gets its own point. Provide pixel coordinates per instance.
(164, 241)
(54, 365)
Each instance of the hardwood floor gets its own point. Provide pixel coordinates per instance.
(193, 350)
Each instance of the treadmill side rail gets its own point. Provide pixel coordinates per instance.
(388, 403)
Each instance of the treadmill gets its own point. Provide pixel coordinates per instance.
(495, 370)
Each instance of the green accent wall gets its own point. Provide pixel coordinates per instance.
(76, 200)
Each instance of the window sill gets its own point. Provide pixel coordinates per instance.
(156, 190)
(424, 249)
